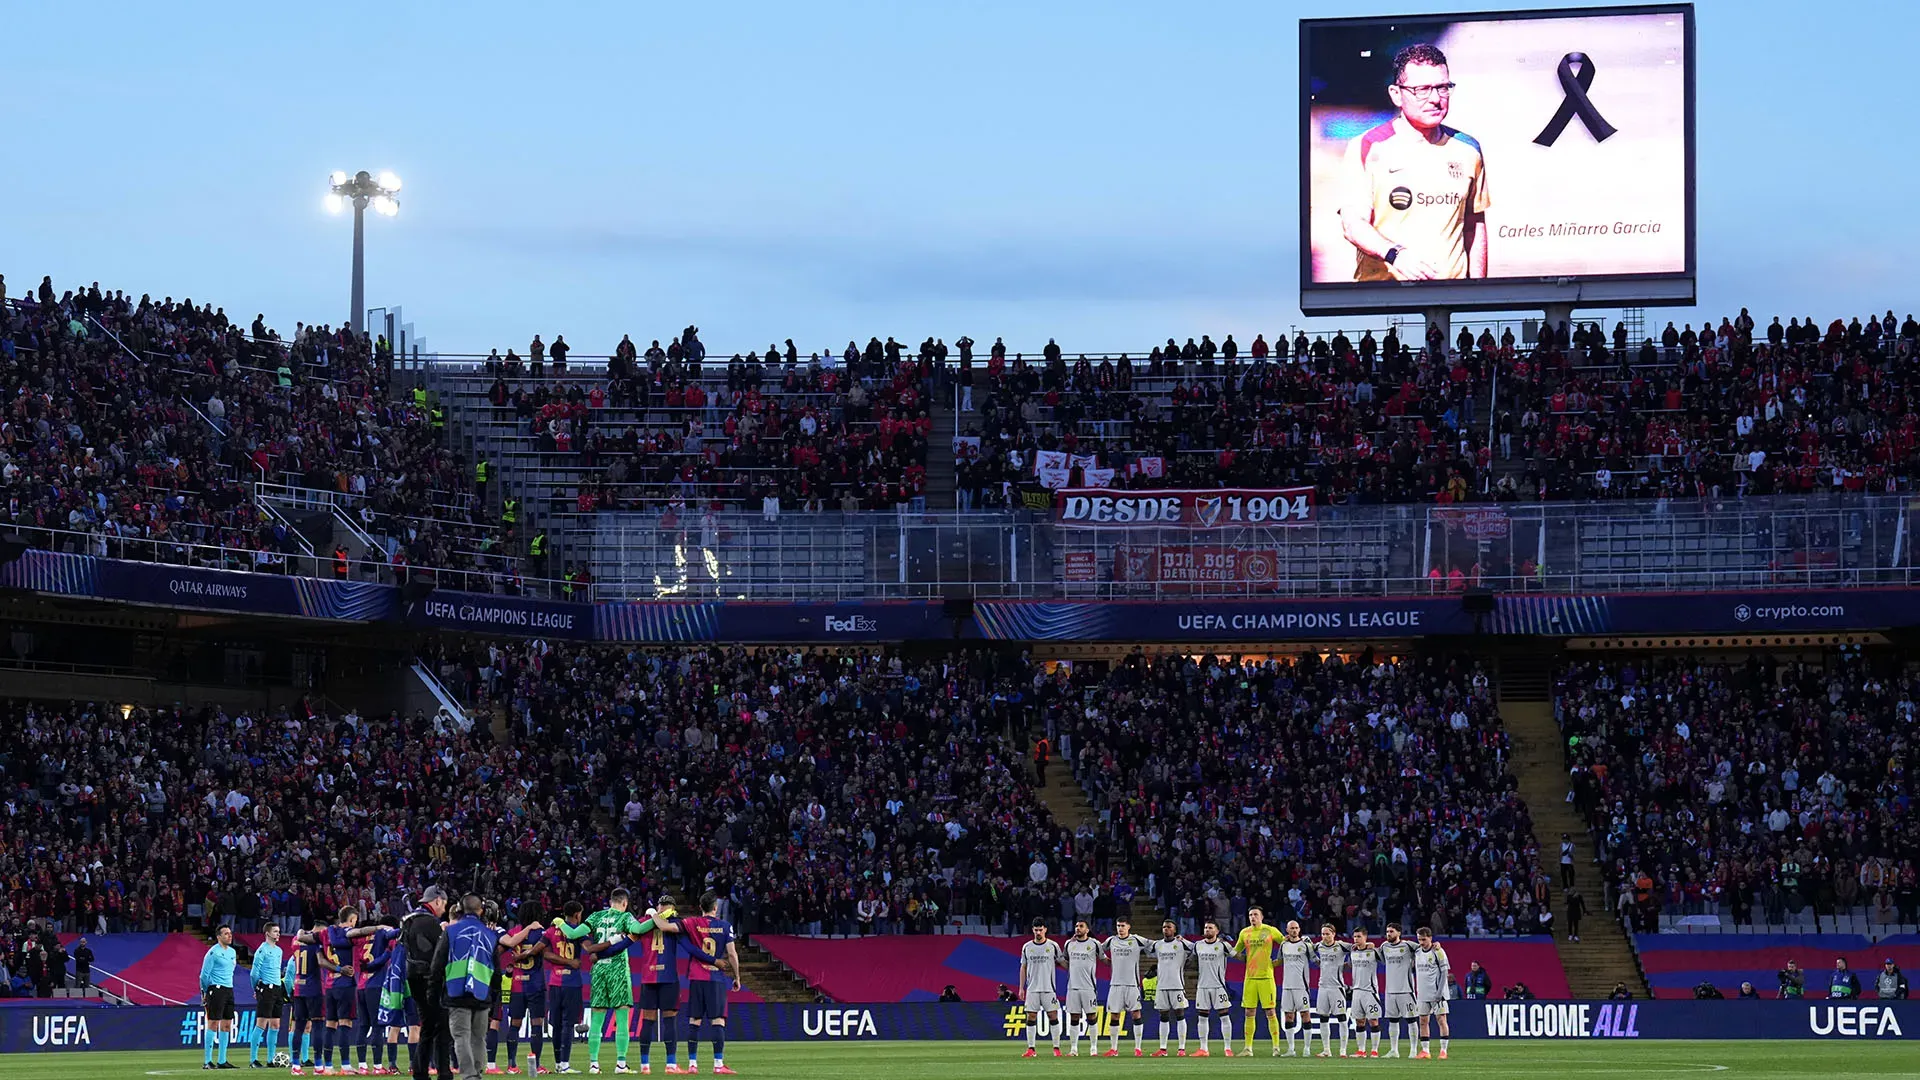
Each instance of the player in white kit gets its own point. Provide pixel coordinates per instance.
(1397, 953)
(1083, 996)
(1124, 951)
(1364, 1003)
(1431, 974)
(1039, 959)
(1295, 1007)
(1330, 955)
(1170, 972)
(1210, 997)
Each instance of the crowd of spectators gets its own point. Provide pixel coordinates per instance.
(33, 962)
(663, 428)
(139, 427)
(1736, 409)
(823, 791)
(157, 819)
(1762, 789)
(820, 791)
(845, 791)
(1357, 790)
(1359, 422)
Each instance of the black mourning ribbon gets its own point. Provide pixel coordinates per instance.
(1576, 103)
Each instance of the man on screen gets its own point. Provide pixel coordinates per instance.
(1415, 198)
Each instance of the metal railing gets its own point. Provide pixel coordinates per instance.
(495, 577)
(1397, 550)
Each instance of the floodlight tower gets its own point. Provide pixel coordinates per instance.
(362, 190)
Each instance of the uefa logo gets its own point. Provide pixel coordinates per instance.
(1741, 613)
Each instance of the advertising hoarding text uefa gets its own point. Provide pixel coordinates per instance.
(70, 1028)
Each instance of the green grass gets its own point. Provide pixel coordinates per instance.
(1484, 1060)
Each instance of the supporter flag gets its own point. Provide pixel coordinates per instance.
(1083, 462)
(1099, 478)
(1051, 467)
(1155, 467)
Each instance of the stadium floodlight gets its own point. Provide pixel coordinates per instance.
(362, 189)
(333, 203)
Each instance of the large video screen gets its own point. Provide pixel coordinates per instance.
(1497, 159)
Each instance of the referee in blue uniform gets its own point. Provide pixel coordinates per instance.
(216, 996)
(269, 995)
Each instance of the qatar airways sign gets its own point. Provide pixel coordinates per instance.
(1219, 508)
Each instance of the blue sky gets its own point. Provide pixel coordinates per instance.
(1110, 174)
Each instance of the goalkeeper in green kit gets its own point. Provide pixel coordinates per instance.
(612, 928)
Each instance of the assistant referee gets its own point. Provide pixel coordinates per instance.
(216, 995)
(269, 995)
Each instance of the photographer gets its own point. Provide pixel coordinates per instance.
(1518, 992)
(1706, 991)
(1793, 981)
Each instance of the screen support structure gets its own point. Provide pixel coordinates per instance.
(1438, 317)
(1560, 317)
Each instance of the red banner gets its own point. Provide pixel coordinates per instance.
(1219, 508)
(1195, 565)
(1478, 523)
(1082, 565)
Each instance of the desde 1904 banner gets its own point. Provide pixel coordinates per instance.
(1219, 508)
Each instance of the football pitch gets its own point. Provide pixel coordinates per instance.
(1518, 1060)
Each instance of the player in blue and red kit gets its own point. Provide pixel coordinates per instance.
(308, 1011)
(656, 980)
(528, 999)
(563, 949)
(335, 960)
(376, 949)
(707, 984)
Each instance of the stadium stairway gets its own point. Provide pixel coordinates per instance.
(1603, 956)
(771, 979)
(940, 457)
(1067, 801)
(1063, 796)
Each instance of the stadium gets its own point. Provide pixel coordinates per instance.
(1451, 664)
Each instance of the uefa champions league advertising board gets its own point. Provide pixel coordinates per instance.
(70, 1028)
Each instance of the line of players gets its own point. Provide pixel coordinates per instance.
(1349, 987)
(355, 1000)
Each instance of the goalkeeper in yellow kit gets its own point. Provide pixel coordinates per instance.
(1255, 944)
